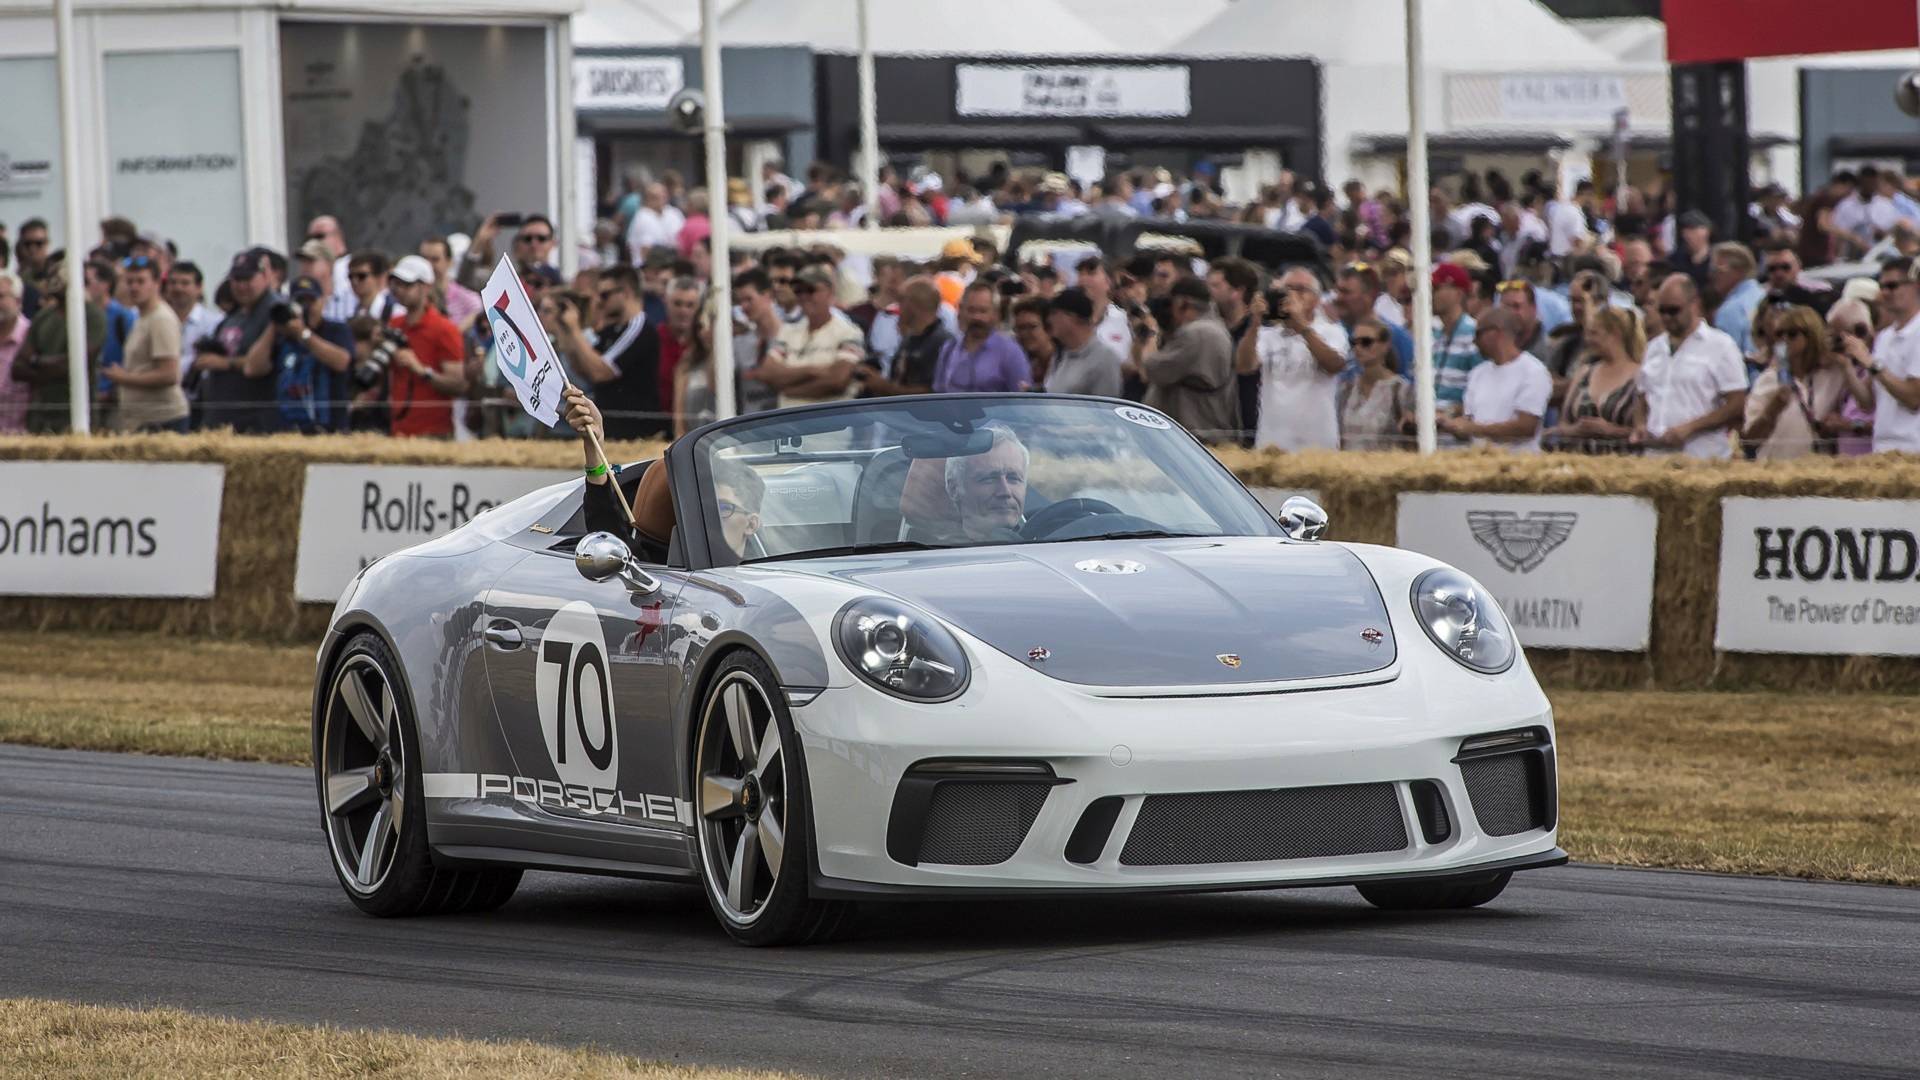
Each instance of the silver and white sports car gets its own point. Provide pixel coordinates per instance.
(953, 646)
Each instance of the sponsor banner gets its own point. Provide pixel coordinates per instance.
(1832, 576)
(96, 528)
(1055, 90)
(1570, 571)
(644, 83)
(351, 515)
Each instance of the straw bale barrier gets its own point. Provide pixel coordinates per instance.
(260, 521)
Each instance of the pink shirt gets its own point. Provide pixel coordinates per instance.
(13, 395)
(696, 229)
(462, 303)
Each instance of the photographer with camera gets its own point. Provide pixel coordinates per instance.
(1189, 369)
(236, 372)
(311, 355)
(1296, 355)
(420, 355)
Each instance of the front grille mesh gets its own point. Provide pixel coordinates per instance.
(1502, 790)
(978, 823)
(1262, 826)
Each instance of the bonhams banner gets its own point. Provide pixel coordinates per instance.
(351, 515)
(1570, 571)
(95, 528)
(1838, 576)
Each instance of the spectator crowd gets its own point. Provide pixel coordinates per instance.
(1563, 320)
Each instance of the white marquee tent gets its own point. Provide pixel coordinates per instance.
(919, 28)
(1147, 27)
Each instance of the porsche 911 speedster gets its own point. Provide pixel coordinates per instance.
(946, 646)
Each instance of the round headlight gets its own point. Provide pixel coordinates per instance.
(900, 649)
(1464, 621)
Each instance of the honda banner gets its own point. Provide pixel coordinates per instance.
(1570, 571)
(1834, 576)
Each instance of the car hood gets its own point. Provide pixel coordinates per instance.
(1173, 612)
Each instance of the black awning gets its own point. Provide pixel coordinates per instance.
(620, 122)
(1903, 143)
(1236, 136)
(1491, 142)
(994, 135)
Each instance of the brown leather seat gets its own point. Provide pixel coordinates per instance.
(653, 513)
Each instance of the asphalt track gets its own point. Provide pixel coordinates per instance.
(134, 880)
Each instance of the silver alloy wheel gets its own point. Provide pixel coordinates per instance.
(742, 771)
(365, 765)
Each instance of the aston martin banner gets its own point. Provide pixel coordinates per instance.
(1570, 571)
(1835, 576)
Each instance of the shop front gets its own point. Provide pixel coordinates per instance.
(621, 98)
(963, 115)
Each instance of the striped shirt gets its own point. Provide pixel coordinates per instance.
(1454, 357)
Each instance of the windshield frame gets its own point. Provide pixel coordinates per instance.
(687, 468)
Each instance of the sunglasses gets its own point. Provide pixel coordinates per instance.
(1671, 310)
(137, 262)
(535, 238)
(361, 275)
(1888, 286)
(1367, 342)
(1514, 286)
(1359, 267)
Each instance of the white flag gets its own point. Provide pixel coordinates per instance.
(520, 346)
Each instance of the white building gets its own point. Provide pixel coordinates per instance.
(223, 123)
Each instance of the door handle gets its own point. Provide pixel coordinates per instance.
(504, 634)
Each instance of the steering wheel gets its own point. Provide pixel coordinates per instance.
(1058, 515)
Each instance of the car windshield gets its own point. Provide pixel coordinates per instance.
(961, 471)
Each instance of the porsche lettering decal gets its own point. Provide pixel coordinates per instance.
(559, 796)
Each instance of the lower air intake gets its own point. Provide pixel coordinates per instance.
(978, 823)
(1508, 792)
(1265, 826)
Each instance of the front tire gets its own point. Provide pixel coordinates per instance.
(753, 828)
(372, 806)
(1434, 895)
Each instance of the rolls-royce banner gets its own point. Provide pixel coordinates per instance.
(1838, 576)
(351, 515)
(95, 528)
(1570, 571)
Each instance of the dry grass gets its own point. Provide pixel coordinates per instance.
(51, 1038)
(1802, 785)
(156, 694)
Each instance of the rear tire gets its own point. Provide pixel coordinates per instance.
(367, 769)
(753, 828)
(1434, 895)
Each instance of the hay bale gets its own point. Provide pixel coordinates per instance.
(260, 523)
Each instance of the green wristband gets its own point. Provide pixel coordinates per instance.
(598, 470)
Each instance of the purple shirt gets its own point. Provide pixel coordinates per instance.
(998, 366)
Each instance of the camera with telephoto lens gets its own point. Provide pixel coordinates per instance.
(385, 343)
(281, 313)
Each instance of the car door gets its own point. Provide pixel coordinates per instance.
(584, 693)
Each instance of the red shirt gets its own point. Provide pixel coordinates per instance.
(671, 350)
(418, 408)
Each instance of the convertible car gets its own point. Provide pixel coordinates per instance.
(952, 646)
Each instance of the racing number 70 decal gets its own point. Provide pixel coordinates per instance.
(574, 694)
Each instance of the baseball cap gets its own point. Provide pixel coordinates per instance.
(306, 288)
(1450, 274)
(411, 269)
(1075, 302)
(814, 277)
(246, 266)
(316, 249)
(1695, 219)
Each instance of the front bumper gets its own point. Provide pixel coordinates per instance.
(1405, 733)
